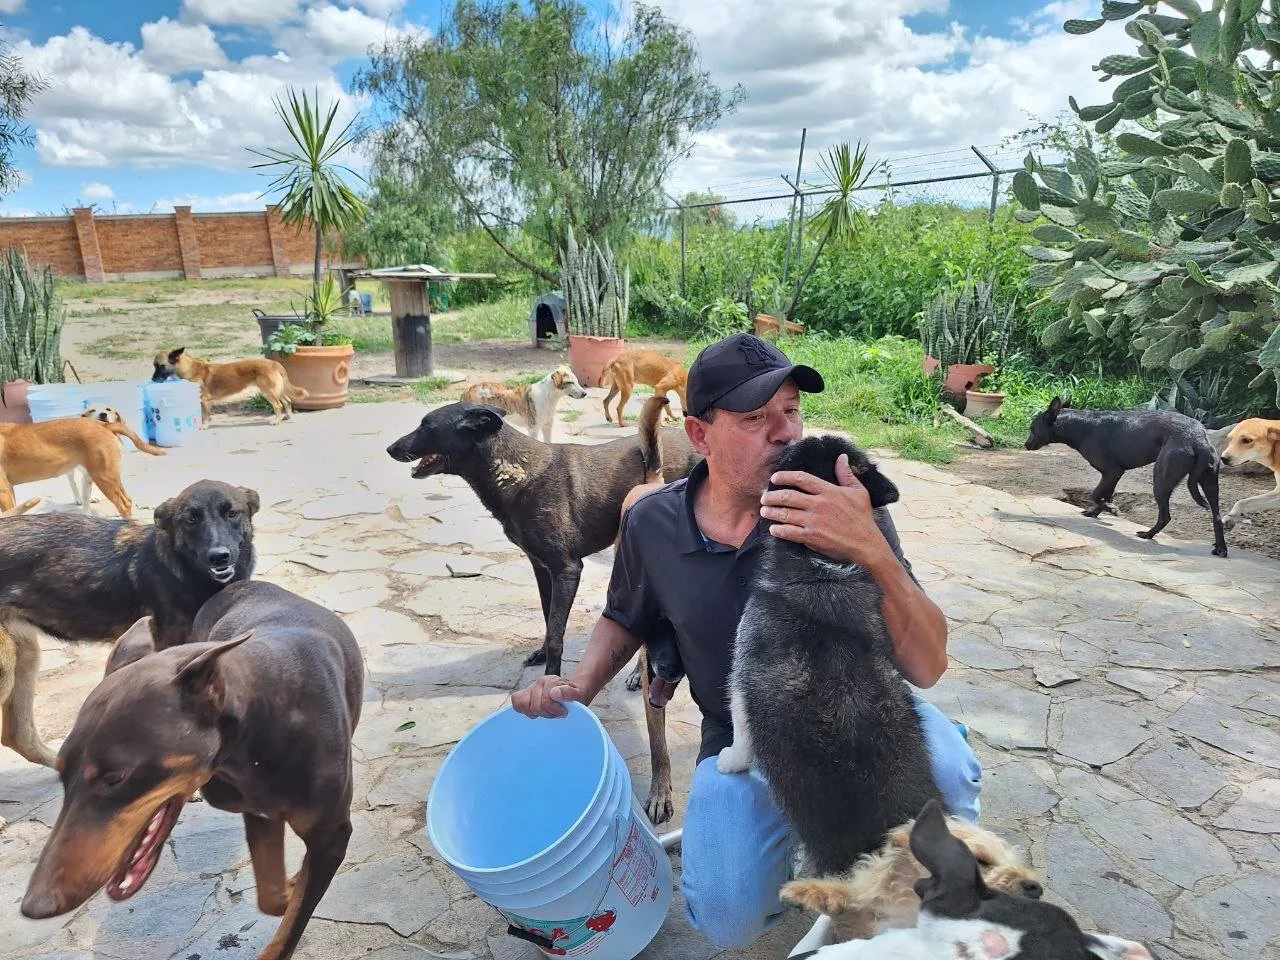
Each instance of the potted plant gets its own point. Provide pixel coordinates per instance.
(31, 318)
(317, 361)
(959, 330)
(767, 325)
(596, 302)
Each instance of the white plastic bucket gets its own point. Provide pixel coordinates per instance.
(127, 399)
(54, 401)
(174, 410)
(538, 817)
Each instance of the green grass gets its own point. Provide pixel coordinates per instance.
(162, 290)
(435, 390)
(504, 320)
(571, 416)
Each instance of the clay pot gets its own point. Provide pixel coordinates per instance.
(978, 404)
(766, 327)
(13, 402)
(588, 356)
(961, 377)
(324, 372)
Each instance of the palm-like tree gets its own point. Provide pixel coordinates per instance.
(839, 219)
(313, 184)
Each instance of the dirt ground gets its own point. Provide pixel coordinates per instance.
(1061, 473)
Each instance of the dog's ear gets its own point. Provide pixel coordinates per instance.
(252, 501)
(880, 488)
(954, 888)
(201, 680)
(1055, 406)
(481, 421)
(1273, 434)
(134, 644)
(164, 516)
(175, 354)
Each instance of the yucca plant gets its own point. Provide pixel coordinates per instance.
(31, 318)
(967, 325)
(596, 296)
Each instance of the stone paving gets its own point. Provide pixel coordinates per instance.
(1124, 698)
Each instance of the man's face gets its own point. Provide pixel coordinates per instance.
(744, 448)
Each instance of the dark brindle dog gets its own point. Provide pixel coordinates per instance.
(558, 502)
(257, 711)
(88, 578)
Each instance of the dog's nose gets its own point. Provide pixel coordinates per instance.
(1227, 461)
(1032, 890)
(40, 904)
(219, 556)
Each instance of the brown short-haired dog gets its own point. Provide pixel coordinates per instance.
(630, 367)
(54, 448)
(878, 894)
(256, 710)
(1256, 441)
(228, 381)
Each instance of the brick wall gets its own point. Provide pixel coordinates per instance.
(156, 246)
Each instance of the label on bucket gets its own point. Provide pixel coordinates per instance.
(634, 873)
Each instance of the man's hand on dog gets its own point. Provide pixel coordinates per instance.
(546, 697)
(836, 521)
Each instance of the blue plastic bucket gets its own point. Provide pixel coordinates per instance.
(538, 818)
(127, 399)
(366, 302)
(174, 412)
(54, 401)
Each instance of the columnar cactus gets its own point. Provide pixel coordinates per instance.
(966, 325)
(596, 296)
(1172, 248)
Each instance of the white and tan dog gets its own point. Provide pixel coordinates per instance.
(879, 894)
(533, 405)
(1256, 441)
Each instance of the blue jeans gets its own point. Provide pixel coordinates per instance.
(736, 852)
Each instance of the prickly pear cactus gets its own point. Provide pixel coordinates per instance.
(1174, 247)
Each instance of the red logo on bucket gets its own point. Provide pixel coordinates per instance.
(602, 921)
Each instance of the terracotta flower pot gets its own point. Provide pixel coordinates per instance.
(766, 327)
(324, 372)
(13, 402)
(979, 404)
(960, 377)
(589, 355)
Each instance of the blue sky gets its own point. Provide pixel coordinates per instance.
(155, 102)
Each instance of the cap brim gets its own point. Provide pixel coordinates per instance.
(758, 391)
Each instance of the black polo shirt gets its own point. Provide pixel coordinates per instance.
(665, 567)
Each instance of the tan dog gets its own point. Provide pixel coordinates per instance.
(630, 367)
(230, 381)
(25, 507)
(1256, 441)
(67, 447)
(533, 405)
(878, 894)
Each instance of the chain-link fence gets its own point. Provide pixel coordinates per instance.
(971, 177)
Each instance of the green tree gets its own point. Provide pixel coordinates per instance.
(543, 115)
(17, 89)
(706, 209)
(405, 221)
(311, 178)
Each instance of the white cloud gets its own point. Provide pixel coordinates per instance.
(96, 191)
(249, 13)
(334, 33)
(858, 71)
(380, 8)
(172, 47)
(12, 6)
(247, 200)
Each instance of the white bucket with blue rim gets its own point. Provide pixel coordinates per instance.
(174, 412)
(538, 817)
(55, 401)
(127, 399)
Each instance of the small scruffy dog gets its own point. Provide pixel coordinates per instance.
(816, 699)
(878, 894)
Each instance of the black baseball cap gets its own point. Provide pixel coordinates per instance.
(740, 373)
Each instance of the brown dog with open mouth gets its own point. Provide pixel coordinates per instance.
(257, 712)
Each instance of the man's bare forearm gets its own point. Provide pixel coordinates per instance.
(917, 628)
(610, 648)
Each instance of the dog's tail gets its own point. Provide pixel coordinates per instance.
(21, 508)
(651, 436)
(606, 375)
(1206, 459)
(292, 391)
(121, 429)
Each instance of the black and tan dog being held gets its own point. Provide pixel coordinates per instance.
(817, 701)
(558, 502)
(88, 578)
(257, 712)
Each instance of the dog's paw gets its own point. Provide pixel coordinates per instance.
(658, 807)
(733, 759)
(829, 896)
(1219, 551)
(538, 656)
(633, 679)
(1229, 522)
(1146, 534)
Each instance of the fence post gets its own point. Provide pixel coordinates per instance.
(995, 184)
(684, 292)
